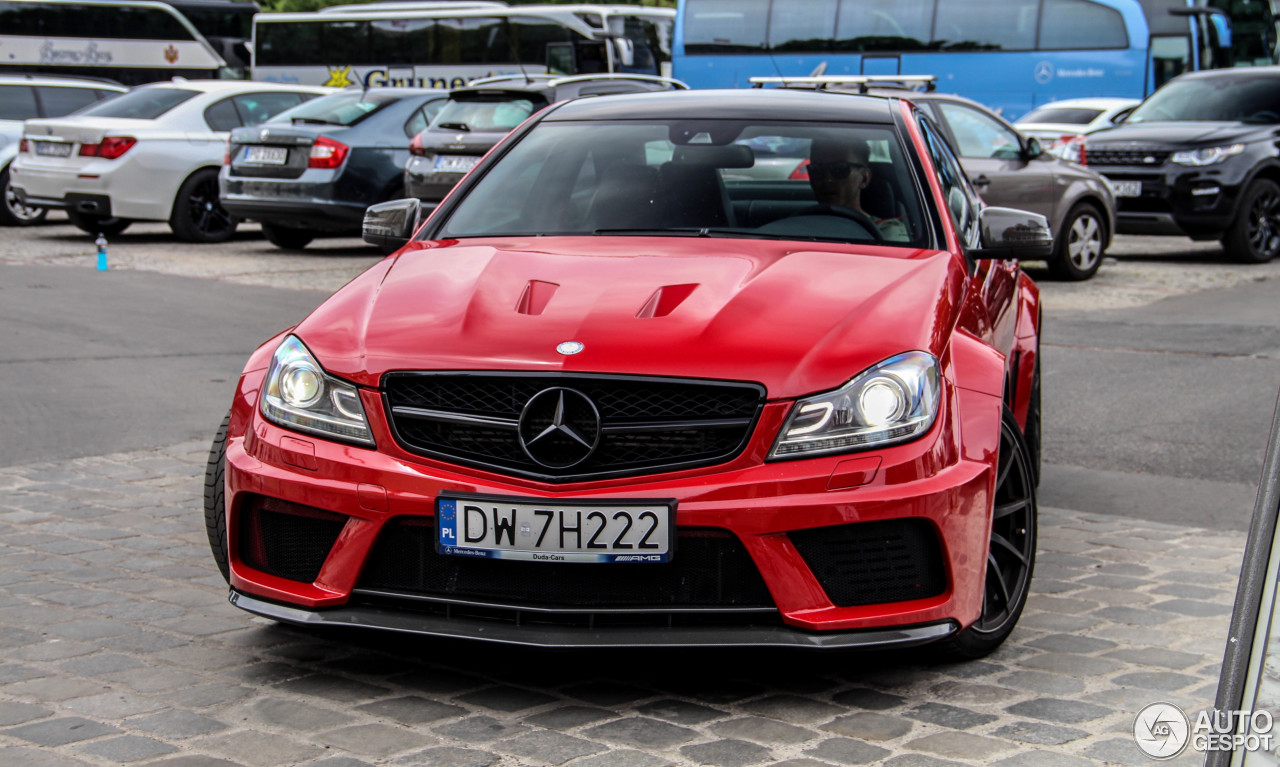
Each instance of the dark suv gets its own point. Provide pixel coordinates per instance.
(1199, 158)
(478, 116)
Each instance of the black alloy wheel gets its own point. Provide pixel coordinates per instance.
(1011, 549)
(95, 225)
(1254, 237)
(215, 505)
(13, 212)
(198, 215)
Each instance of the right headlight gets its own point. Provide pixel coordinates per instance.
(892, 402)
(299, 395)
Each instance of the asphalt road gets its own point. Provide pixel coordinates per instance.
(1160, 376)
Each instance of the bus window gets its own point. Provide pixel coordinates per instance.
(884, 25)
(724, 26)
(1170, 57)
(1080, 25)
(985, 26)
(801, 25)
(402, 41)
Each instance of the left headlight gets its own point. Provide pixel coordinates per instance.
(894, 401)
(1207, 156)
(299, 395)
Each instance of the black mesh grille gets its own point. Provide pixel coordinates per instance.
(1126, 156)
(646, 424)
(874, 562)
(709, 568)
(286, 539)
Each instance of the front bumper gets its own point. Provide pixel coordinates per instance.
(935, 480)
(1175, 200)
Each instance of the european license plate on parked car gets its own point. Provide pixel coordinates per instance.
(558, 531)
(266, 155)
(53, 148)
(455, 163)
(1127, 188)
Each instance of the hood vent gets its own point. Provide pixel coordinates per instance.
(536, 296)
(665, 300)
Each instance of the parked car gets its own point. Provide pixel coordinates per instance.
(608, 396)
(314, 169)
(1059, 123)
(1199, 158)
(1010, 169)
(148, 155)
(23, 97)
(478, 116)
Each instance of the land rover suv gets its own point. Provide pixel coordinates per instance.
(1199, 158)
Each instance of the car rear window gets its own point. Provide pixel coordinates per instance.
(17, 102)
(345, 108)
(486, 114)
(142, 104)
(1064, 115)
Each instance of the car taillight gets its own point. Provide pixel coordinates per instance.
(110, 148)
(327, 153)
(416, 148)
(24, 146)
(801, 173)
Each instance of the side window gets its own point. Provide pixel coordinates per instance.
(802, 25)
(222, 116)
(725, 26)
(56, 102)
(1079, 24)
(254, 108)
(977, 135)
(980, 25)
(17, 102)
(422, 117)
(961, 202)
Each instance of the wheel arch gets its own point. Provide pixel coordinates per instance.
(173, 198)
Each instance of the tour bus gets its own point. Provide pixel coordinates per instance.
(422, 44)
(129, 41)
(1011, 55)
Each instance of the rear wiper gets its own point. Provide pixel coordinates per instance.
(312, 121)
(455, 126)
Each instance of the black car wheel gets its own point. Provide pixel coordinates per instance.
(215, 504)
(14, 213)
(286, 237)
(198, 215)
(87, 222)
(1011, 550)
(1078, 252)
(1254, 237)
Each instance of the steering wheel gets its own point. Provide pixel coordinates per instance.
(862, 219)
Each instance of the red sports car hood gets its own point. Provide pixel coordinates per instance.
(796, 318)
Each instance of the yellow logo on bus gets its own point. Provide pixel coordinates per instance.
(339, 77)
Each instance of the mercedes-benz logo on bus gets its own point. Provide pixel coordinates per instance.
(559, 428)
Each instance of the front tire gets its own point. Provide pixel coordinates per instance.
(198, 215)
(1254, 237)
(12, 212)
(287, 238)
(87, 222)
(1078, 252)
(215, 503)
(1011, 549)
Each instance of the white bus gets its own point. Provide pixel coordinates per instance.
(445, 47)
(130, 41)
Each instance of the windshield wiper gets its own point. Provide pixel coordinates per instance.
(654, 232)
(455, 126)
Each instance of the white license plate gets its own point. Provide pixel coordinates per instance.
(266, 155)
(455, 163)
(560, 531)
(53, 149)
(1127, 188)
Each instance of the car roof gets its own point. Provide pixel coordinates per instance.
(746, 104)
(64, 81)
(218, 86)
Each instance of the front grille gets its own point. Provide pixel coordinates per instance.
(287, 540)
(871, 563)
(645, 424)
(708, 568)
(1138, 157)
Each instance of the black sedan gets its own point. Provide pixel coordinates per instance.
(313, 170)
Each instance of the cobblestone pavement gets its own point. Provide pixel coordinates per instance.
(120, 647)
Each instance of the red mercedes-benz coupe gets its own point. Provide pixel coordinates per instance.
(633, 385)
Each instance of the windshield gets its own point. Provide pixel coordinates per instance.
(1213, 99)
(1062, 115)
(345, 108)
(141, 104)
(486, 115)
(724, 178)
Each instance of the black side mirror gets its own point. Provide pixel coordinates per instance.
(1013, 234)
(389, 225)
(1033, 148)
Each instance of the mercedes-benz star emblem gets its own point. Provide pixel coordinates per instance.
(559, 428)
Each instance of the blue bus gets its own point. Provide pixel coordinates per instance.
(1011, 55)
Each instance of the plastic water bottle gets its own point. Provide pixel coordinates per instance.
(101, 242)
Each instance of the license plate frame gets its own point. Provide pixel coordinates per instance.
(53, 148)
(1127, 188)
(266, 155)
(628, 530)
(455, 163)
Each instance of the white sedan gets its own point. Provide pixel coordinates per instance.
(1058, 123)
(152, 154)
